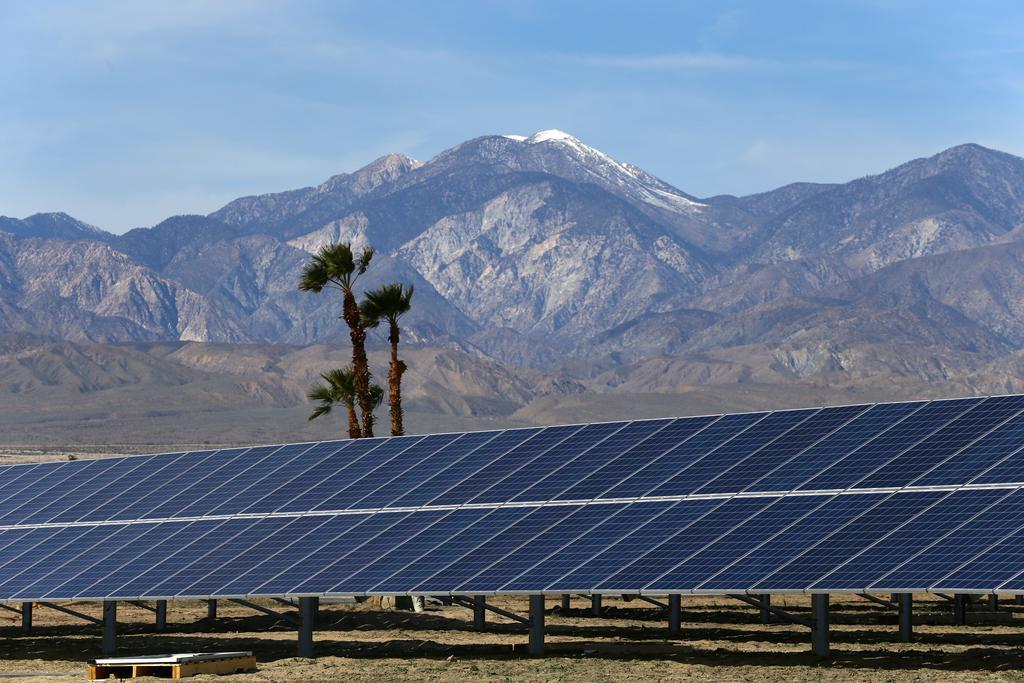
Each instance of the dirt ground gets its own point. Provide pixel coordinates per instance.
(722, 640)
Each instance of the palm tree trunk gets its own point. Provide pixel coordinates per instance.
(353, 423)
(395, 371)
(360, 365)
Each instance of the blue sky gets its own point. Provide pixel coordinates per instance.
(123, 113)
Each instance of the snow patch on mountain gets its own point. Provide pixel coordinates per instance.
(644, 186)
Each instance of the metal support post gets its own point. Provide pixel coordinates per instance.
(307, 612)
(536, 625)
(959, 609)
(766, 608)
(819, 625)
(109, 627)
(1020, 599)
(595, 605)
(26, 617)
(675, 616)
(479, 612)
(211, 610)
(906, 603)
(565, 602)
(993, 603)
(161, 615)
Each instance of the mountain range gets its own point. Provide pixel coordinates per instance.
(546, 262)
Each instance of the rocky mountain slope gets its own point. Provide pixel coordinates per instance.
(542, 252)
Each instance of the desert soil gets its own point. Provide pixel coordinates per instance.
(722, 640)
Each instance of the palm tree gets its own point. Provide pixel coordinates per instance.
(339, 387)
(390, 302)
(336, 265)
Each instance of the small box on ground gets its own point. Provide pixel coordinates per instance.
(173, 666)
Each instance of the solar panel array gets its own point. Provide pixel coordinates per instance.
(884, 497)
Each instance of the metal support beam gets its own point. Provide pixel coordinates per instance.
(459, 600)
(565, 601)
(786, 616)
(819, 628)
(26, 617)
(161, 615)
(109, 627)
(71, 612)
(536, 625)
(595, 605)
(906, 602)
(766, 608)
(944, 596)
(211, 610)
(881, 601)
(266, 610)
(10, 609)
(140, 603)
(479, 612)
(652, 601)
(959, 609)
(675, 616)
(307, 609)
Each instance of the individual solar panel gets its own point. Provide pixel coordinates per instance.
(684, 543)
(283, 549)
(589, 572)
(492, 549)
(573, 522)
(738, 463)
(715, 556)
(747, 474)
(498, 468)
(822, 556)
(434, 560)
(103, 477)
(977, 458)
(462, 468)
(735, 450)
(676, 460)
(834, 447)
(50, 478)
(824, 515)
(970, 426)
(400, 551)
(635, 458)
(862, 461)
(609, 530)
(948, 553)
(571, 466)
(745, 502)
(893, 549)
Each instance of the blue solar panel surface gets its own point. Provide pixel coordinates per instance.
(885, 497)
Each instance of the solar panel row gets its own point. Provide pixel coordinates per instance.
(836, 448)
(761, 502)
(938, 540)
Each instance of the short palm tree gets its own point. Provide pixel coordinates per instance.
(336, 265)
(339, 388)
(389, 303)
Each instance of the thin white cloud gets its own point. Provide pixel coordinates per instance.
(713, 61)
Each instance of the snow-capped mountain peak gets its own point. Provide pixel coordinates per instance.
(550, 135)
(608, 171)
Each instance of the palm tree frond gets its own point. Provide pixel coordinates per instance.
(319, 411)
(387, 302)
(365, 258)
(376, 394)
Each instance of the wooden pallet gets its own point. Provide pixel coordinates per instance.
(173, 666)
